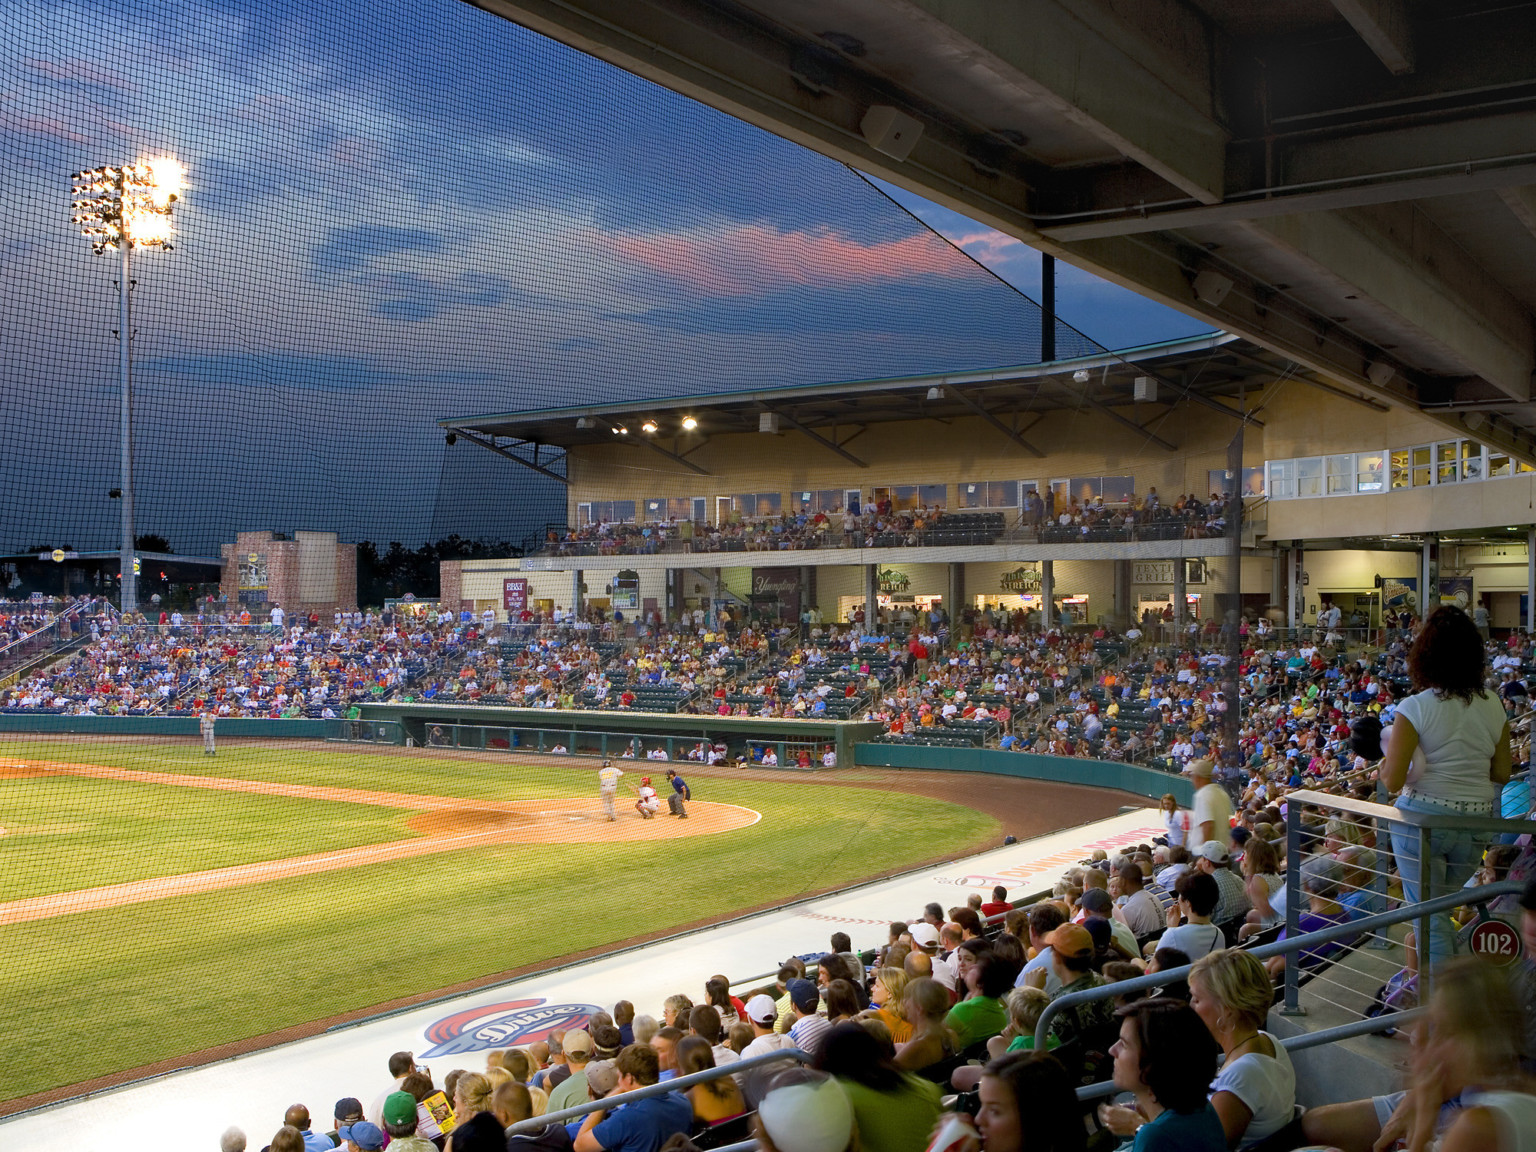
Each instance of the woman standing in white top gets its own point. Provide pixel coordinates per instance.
(1176, 821)
(1448, 751)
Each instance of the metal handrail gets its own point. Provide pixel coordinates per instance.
(661, 1088)
(1408, 816)
(1279, 948)
(1297, 1043)
(1424, 822)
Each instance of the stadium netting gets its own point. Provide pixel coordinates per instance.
(393, 213)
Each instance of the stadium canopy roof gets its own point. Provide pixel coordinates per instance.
(1214, 371)
(1349, 182)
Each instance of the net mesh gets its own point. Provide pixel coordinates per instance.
(394, 214)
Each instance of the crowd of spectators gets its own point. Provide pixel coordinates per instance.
(879, 524)
(1139, 517)
(232, 666)
(952, 1002)
(876, 526)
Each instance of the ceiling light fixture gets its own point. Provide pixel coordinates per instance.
(689, 423)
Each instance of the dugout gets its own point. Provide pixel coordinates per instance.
(470, 726)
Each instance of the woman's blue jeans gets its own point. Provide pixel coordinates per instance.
(1454, 855)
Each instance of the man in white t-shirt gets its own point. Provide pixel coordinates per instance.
(1212, 808)
(762, 1013)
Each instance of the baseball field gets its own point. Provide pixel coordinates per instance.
(157, 904)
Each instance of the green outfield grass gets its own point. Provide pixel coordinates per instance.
(68, 832)
(100, 992)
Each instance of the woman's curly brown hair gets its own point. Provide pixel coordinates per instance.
(1447, 655)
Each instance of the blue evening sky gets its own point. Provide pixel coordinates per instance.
(413, 209)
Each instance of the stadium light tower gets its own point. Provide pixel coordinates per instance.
(118, 210)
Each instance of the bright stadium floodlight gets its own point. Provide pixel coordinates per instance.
(120, 209)
(689, 423)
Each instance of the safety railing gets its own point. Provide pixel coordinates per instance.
(678, 1083)
(1357, 876)
(1288, 947)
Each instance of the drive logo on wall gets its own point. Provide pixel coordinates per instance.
(504, 1025)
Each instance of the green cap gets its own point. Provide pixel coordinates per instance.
(399, 1107)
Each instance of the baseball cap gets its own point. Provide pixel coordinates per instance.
(602, 1076)
(1070, 940)
(803, 995)
(1212, 850)
(924, 935)
(1097, 900)
(347, 1107)
(645, 779)
(1202, 767)
(762, 1010)
(808, 1117)
(1099, 931)
(399, 1107)
(577, 1043)
(365, 1135)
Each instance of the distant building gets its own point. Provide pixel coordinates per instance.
(305, 572)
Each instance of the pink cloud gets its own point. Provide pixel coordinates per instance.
(753, 258)
(988, 244)
(80, 71)
(43, 126)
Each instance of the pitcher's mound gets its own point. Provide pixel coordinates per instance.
(572, 821)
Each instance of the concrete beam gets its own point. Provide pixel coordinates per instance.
(1395, 256)
(1522, 202)
(1383, 25)
(1161, 268)
(1347, 168)
(1136, 76)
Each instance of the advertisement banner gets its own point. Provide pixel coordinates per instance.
(782, 584)
(252, 574)
(1457, 592)
(514, 595)
(1399, 592)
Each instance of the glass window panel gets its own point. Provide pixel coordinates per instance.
(583, 514)
(745, 503)
(1341, 474)
(1471, 460)
(933, 495)
(1521, 466)
(622, 511)
(1369, 471)
(1498, 465)
(1309, 476)
(1117, 489)
(1282, 479)
(1400, 468)
(1086, 489)
(904, 497)
(1447, 467)
(770, 503)
(989, 494)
